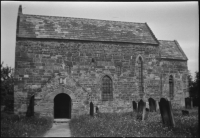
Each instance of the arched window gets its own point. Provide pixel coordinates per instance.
(107, 94)
(171, 87)
(140, 76)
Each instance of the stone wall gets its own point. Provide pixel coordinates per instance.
(41, 63)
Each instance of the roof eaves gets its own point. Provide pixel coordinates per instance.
(152, 33)
(180, 49)
(171, 58)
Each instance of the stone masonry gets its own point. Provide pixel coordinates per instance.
(63, 59)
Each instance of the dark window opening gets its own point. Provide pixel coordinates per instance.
(140, 76)
(93, 60)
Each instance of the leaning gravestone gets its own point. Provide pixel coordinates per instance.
(97, 109)
(152, 105)
(188, 103)
(166, 112)
(134, 105)
(141, 113)
(91, 109)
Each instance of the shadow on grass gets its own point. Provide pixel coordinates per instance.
(15, 126)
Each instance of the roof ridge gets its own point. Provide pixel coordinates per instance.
(82, 18)
(167, 40)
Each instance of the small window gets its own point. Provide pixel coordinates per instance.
(118, 70)
(93, 60)
(68, 68)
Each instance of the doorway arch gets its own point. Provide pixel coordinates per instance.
(62, 106)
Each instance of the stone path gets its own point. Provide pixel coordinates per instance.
(60, 128)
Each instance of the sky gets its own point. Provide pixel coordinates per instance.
(167, 20)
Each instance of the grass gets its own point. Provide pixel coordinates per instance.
(14, 126)
(126, 125)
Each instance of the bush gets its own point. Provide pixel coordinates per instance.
(16, 126)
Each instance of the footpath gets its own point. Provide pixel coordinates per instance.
(60, 128)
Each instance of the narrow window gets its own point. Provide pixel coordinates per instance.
(68, 69)
(107, 94)
(171, 87)
(140, 76)
(118, 70)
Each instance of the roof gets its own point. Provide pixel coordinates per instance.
(38, 26)
(171, 50)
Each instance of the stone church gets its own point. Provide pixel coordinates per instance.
(62, 64)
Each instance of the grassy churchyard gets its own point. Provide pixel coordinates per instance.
(105, 125)
(126, 125)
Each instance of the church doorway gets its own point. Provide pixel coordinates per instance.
(62, 106)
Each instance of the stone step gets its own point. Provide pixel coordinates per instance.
(61, 120)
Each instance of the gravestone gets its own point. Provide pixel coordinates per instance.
(152, 105)
(97, 109)
(30, 110)
(141, 110)
(91, 109)
(188, 103)
(134, 105)
(166, 112)
(195, 102)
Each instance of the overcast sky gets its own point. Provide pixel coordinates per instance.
(168, 21)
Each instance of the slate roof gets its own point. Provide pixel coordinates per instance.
(171, 50)
(37, 26)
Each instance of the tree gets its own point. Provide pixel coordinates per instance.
(7, 87)
(194, 87)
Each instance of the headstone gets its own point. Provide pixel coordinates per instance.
(30, 110)
(185, 112)
(166, 112)
(152, 105)
(134, 105)
(195, 102)
(91, 109)
(188, 103)
(141, 110)
(97, 109)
